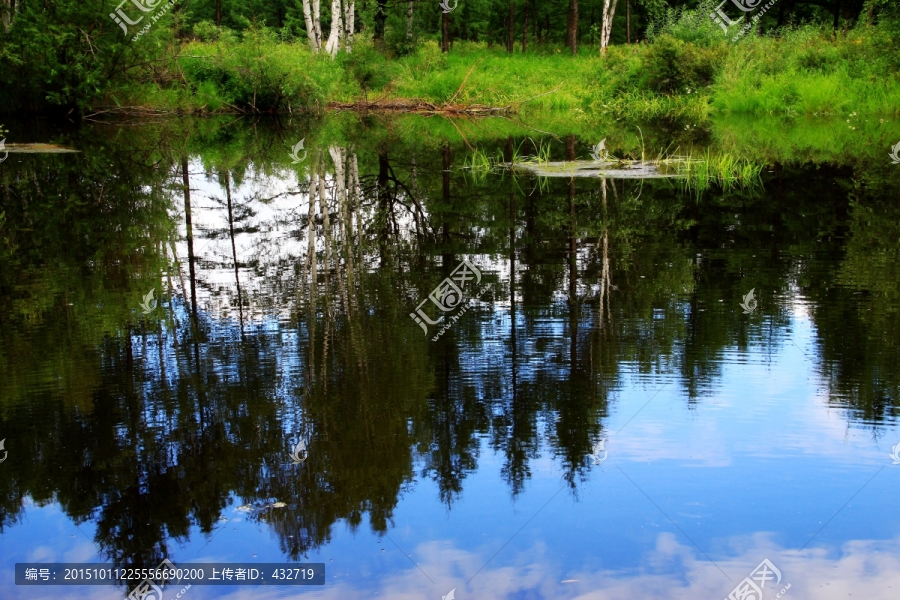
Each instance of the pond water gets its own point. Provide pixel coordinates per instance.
(444, 382)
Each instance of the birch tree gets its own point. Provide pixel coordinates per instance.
(609, 11)
(313, 25)
(337, 29)
(349, 17)
(343, 15)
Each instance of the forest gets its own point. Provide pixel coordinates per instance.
(625, 58)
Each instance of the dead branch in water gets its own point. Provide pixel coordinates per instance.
(421, 107)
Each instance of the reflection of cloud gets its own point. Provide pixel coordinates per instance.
(673, 570)
(863, 568)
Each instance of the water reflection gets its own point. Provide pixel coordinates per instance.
(285, 292)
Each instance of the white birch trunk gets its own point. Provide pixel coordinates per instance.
(609, 11)
(337, 27)
(356, 206)
(349, 18)
(314, 42)
(317, 23)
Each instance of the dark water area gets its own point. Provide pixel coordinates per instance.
(218, 346)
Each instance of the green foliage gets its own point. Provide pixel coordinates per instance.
(692, 25)
(65, 55)
(252, 72)
(365, 67)
(810, 71)
(673, 65)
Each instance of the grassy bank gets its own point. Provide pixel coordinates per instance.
(808, 71)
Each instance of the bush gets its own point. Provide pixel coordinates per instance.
(365, 67)
(693, 26)
(256, 72)
(672, 65)
(47, 61)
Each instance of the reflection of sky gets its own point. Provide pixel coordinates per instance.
(270, 214)
(752, 471)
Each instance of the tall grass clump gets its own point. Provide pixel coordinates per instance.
(253, 71)
(698, 174)
(813, 71)
(690, 25)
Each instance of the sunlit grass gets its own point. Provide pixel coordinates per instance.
(699, 173)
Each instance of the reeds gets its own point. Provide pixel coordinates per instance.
(698, 174)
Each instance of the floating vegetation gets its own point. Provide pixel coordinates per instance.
(38, 149)
(610, 169)
(696, 173)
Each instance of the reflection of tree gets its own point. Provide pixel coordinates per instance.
(857, 312)
(174, 413)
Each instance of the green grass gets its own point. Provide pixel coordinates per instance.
(807, 71)
(541, 81)
(725, 170)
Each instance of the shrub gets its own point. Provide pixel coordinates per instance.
(256, 72)
(688, 25)
(672, 65)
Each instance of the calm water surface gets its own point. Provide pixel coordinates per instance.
(608, 415)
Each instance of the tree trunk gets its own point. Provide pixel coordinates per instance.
(409, 20)
(349, 18)
(525, 30)
(337, 26)
(837, 14)
(189, 229)
(218, 13)
(510, 27)
(572, 27)
(9, 15)
(609, 12)
(628, 21)
(380, 20)
(445, 32)
(237, 279)
(312, 27)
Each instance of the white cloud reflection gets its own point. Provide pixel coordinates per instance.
(673, 570)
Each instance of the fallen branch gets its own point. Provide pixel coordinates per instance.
(421, 107)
